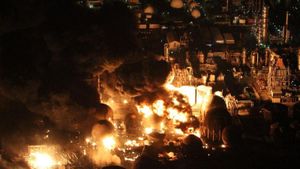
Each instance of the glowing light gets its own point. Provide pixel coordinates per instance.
(91, 142)
(44, 157)
(176, 116)
(132, 143)
(162, 127)
(109, 143)
(146, 110)
(177, 4)
(196, 95)
(87, 140)
(148, 130)
(223, 146)
(41, 160)
(189, 92)
(159, 107)
(178, 131)
(125, 101)
(171, 155)
(205, 146)
(176, 102)
(219, 93)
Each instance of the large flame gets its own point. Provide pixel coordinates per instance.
(44, 157)
(175, 109)
(109, 142)
(101, 151)
(41, 160)
(199, 97)
(169, 110)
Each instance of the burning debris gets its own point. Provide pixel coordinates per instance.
(163, 110)
(45, 157)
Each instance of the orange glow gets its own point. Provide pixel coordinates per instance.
(178, 132)
(41, 160)
(43, 157)
(176, 116)
(109, 142)
(148, 130)
(159, 107)
(219, 93)
(146, 110)
(198, 97)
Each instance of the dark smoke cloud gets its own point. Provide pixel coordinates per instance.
(138, 78)
(47, 64)
(19, 126)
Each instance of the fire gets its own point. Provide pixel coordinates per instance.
(100, 151)
(198, 96)
(44, 157)
(223, 146)
(41, 160)
(166, 112)
(175, 115)
(91, 142)
(132, 143)
(125, 101)
(146, 110)
(178, 132)
(159, 114)
(219, 93)
(109, 143)
(162, 127)
(159, 107)
(148, 130)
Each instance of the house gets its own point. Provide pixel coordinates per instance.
(280, 75)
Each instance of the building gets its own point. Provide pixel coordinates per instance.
(278, 79)
(265, 20)
(262, 26)
(278, 74)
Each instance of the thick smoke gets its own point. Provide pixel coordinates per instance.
(138, 78)
(143, 84)
(48, 66)
(20, 127)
